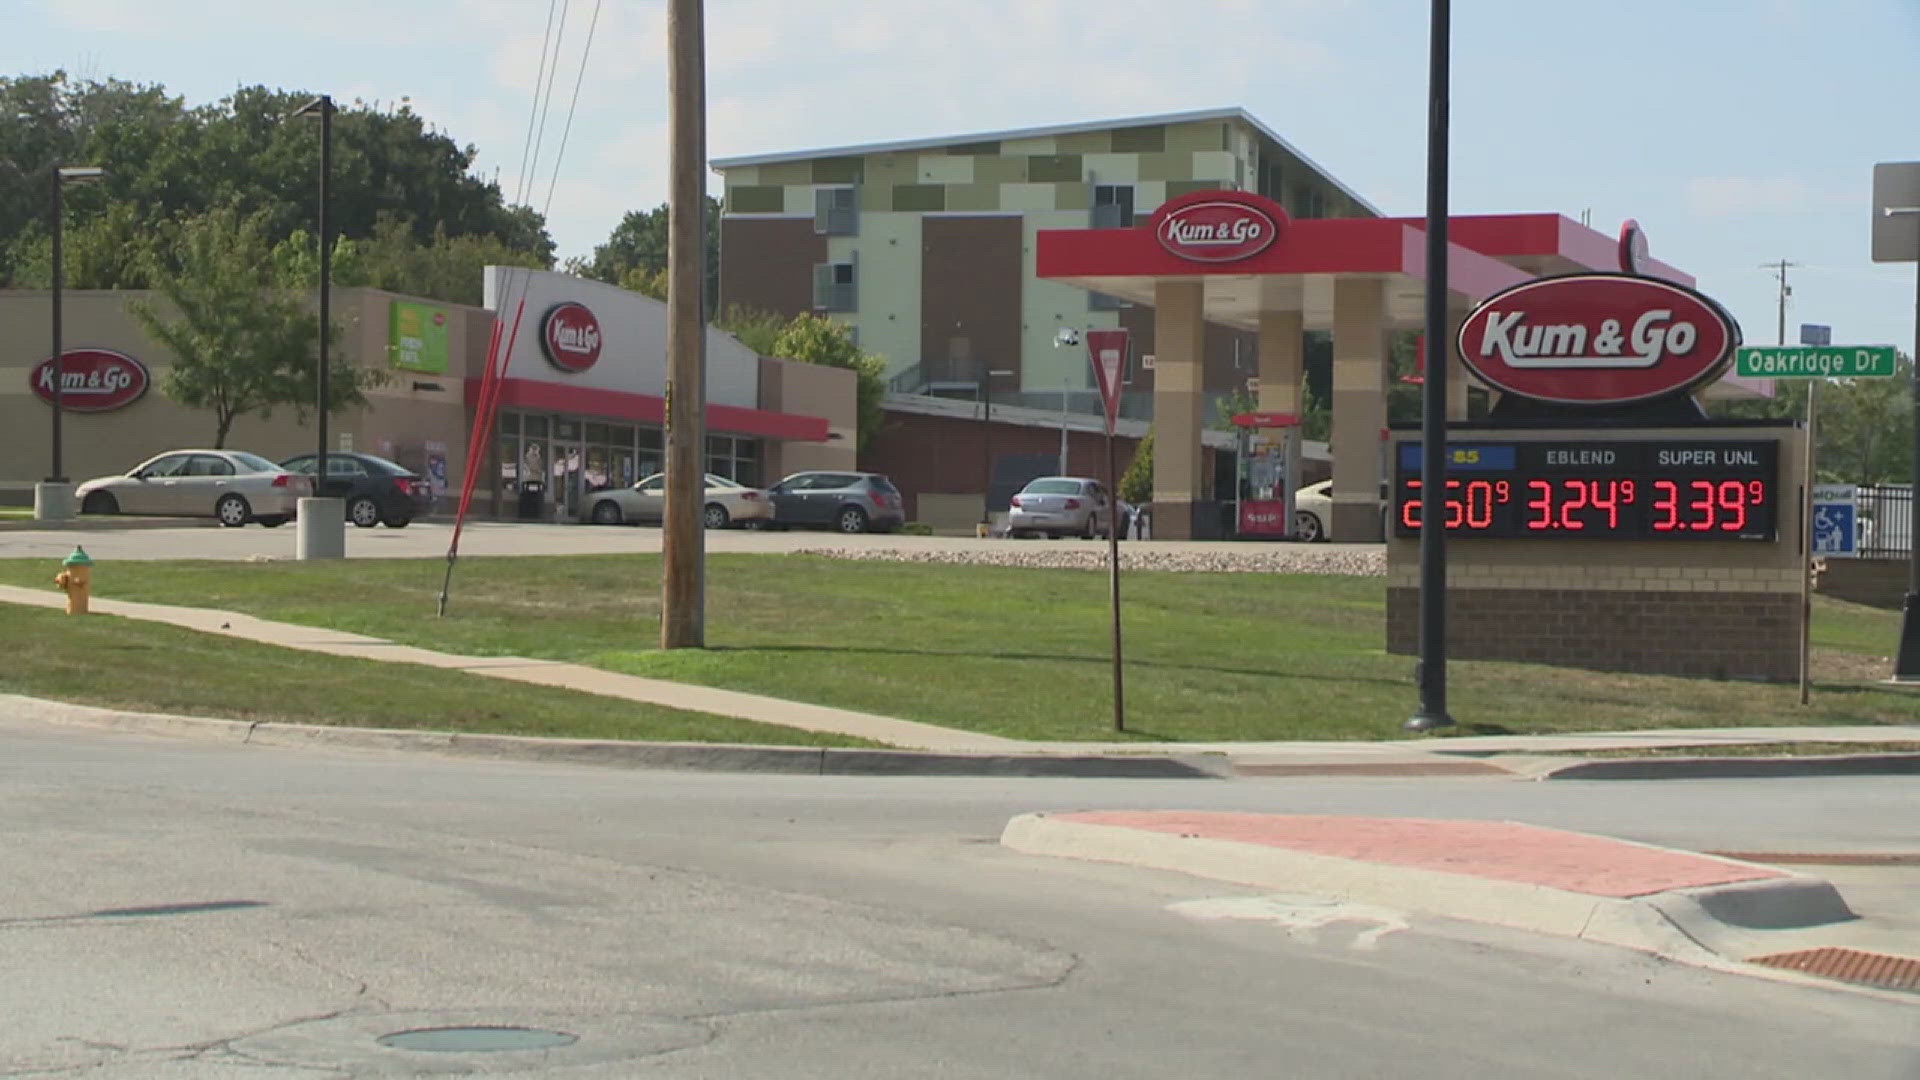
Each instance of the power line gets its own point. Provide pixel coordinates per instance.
(572, 104)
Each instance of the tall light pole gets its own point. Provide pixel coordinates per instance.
(322, 527)
(1433, 415)
(53, 498)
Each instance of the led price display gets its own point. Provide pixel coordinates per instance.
(1641, 490)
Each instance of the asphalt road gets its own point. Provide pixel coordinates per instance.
(174, 908)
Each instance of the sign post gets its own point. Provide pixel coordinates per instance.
(1815, 358)
(1108, 351)
(1896, 238)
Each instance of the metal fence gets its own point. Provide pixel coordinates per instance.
(1885, 515)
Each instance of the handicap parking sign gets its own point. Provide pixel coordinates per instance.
(1834, 524)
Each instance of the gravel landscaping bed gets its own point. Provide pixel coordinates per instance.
(1289, 559)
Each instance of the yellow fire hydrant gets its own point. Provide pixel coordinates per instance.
(77, 580)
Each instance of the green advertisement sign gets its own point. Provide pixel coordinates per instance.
(417, 338)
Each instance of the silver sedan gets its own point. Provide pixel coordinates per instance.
(728, 502)
(1061, 506)
(231, 485)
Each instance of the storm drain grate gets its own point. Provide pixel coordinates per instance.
(1851, 965)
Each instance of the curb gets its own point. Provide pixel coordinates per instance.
(1708, 926)
(105, 524)
(1687, 768)
(687, 756)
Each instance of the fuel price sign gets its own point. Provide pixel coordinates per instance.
(1611, 490)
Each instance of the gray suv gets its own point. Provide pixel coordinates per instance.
(852, 502)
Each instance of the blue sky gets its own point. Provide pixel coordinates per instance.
(1737, 133)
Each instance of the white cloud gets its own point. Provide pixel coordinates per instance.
(1720, 196)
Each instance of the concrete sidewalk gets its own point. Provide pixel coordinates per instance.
(1699, 909)
(1503, 756)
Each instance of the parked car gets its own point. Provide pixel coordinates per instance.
(1313, 511)
(728, 503)
(377, 491)
(852, 502)
(1061, 506)
(231, 485)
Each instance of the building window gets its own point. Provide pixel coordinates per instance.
(834, 287)
(1103, 302)
(1112, 206)
(835, 212)
(735, 457)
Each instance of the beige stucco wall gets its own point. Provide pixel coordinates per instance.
(809, 390)
(100, 444)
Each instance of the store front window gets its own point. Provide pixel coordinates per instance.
(547, 465)
(734, 457)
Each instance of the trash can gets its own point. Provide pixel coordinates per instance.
(532, 494)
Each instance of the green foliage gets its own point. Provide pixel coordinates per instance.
(635, 255)
(817, 339)
(757, 330)
(1231, 405)
(166, 160)
(1136, 484)
(243, 340)
(1864, 427)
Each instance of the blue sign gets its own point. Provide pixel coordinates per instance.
(1815, 334)
(1463, 457)
(1835, 520)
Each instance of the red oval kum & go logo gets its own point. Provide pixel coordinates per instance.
(1218, 226)
(1597, 339)
(92, 380)
(570, 336)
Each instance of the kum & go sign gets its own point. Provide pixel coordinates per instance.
(1218, 226)
(92, 380)
(1598, 339)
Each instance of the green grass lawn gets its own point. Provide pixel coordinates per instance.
(126, 664)
(1009, 651)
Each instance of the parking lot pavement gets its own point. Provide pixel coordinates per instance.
(429, 539)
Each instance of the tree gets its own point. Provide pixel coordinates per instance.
(817, 339)
(1136, 484)
(242, 342)
(166, 160)
(639, 243)
(757, 330)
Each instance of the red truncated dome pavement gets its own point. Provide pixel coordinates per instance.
(1505, 851)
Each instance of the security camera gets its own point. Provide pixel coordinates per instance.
(1066, 338)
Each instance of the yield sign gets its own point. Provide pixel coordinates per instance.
(1108, 351)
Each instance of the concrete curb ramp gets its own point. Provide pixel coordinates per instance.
(1696, 909)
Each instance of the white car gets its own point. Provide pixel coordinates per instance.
(231, 485)
(728, 502)
(1313, 511)
(1060, 506)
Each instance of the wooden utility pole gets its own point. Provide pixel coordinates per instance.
(683, 603)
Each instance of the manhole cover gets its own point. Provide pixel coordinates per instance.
(1851, 965)
(471, 1040)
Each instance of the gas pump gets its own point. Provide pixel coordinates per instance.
(1269, 461)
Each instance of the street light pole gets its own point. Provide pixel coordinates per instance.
(58, 474)
(1433, 419)
(322, 521)
(53, 499)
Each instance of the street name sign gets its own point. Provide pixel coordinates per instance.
(1814, 361)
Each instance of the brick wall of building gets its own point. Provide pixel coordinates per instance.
(1692, 631)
